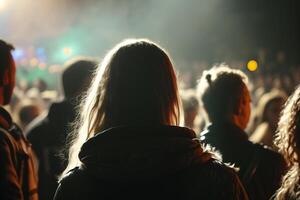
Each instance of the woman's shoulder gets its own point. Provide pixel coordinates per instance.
(217, 179)
(215, 169)
(70, 185)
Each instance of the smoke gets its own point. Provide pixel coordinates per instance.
(188, 29)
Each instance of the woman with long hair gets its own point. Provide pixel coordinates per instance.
(267, 114)
(288, 142)
(127, 141)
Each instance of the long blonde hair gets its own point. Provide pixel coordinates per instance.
(288, 142)
(134, 84)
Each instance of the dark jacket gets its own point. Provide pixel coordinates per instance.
(48, 137)
(261, 169)
(147, 162)
(18, 179)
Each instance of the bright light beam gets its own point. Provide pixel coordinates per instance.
(2, 4)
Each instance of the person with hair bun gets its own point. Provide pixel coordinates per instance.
(226, 100)
(128, 143)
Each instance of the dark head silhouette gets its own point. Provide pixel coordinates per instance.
(7, 72)
(77, 76)
(225, 96)
(137, 84)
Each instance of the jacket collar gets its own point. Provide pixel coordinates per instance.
(141, 152)
(5, 119)
(226, 129)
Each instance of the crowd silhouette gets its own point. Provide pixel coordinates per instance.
(48, 133)
(127, 127)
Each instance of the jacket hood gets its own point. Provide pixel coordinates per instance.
(223, 131)
(141, 152)
(5, 119)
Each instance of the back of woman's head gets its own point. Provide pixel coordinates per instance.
(135, 84)
(270, 105)
(140, 85)
(221, 89)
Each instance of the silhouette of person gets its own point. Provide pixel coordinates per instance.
(226, 100)
(48, 133)
(18, 179)
(128, 143)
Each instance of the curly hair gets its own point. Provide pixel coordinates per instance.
(287, 141)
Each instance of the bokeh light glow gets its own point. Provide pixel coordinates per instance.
(34, 62)
(2, 4)
(252, 65)
(67, 51)
(18, 53)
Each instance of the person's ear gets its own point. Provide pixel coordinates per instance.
(4, 79)
(240, 110)
(236, 110)
(235, 107)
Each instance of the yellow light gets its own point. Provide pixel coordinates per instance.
(252, 65)
(67, 51)
(34, 62)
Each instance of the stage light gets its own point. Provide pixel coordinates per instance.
(67, 51)
(42, 66)
(18, 54)
(34, 62)
(252, 65)
(40, 51)
(64, 52)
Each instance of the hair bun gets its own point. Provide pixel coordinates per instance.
(208, 78)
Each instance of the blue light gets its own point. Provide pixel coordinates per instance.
(40, 51)
(41, 54)
(18, 54)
